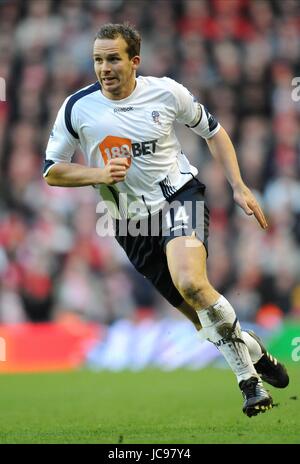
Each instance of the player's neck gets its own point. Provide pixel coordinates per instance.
(123, 93)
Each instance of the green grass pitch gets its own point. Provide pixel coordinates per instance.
(151, 407)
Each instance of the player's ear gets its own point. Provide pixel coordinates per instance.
(136, 61)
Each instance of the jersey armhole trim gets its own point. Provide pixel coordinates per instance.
(71, 102)
(198, 122)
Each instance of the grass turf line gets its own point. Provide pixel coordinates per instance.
(150, 406)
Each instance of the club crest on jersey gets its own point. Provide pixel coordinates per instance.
(155, 117)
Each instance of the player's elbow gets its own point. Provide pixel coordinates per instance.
(50, 180)
(52, 174)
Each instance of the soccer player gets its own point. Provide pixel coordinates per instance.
(124, 125)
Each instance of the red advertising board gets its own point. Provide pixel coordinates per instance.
(46, 346)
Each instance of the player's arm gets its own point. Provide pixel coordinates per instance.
(58, 168)
(222, 149)
(195, 116)
(204, 124)
(75, 175)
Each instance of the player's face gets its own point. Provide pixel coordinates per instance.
(113, 67)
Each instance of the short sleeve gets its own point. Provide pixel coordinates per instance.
(188, 110)
(62, 143)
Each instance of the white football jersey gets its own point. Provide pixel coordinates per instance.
(139, 127)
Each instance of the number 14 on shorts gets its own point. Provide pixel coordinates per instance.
(176, 219)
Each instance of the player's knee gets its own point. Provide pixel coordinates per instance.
(193, 290)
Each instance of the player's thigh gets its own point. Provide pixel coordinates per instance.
(186, 257)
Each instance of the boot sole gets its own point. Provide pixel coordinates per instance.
(259, 408)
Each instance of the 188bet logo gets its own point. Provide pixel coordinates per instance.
(120, 147)
(115, 147)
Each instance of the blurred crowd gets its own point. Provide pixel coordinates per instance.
(239, 58)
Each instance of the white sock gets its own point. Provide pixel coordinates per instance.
(253, 347)
(222, 328)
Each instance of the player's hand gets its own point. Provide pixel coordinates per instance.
(247, 201)
(115, 171)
